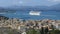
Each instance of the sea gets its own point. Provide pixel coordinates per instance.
(54, 15)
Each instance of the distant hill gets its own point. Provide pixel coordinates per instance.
(23, 8)
(55, 7)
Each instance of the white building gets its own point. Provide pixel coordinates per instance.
(23, 33)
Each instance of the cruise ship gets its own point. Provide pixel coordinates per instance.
(34, 13)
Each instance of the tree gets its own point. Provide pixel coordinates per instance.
(32, 31)
(55, 32)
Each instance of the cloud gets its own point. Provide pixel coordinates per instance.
(54, 0)
(20, 2)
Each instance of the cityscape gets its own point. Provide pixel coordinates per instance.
(22, 26)
(29, 16)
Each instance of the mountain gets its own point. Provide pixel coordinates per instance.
(55, 7)
(1, 9)
(24, 8)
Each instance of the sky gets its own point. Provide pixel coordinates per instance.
(5, 3)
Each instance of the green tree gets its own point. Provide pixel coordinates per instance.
(55, 32)
(32, 31)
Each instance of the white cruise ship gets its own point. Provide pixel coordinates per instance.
(34, 13)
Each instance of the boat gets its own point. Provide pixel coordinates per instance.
(34, 13)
